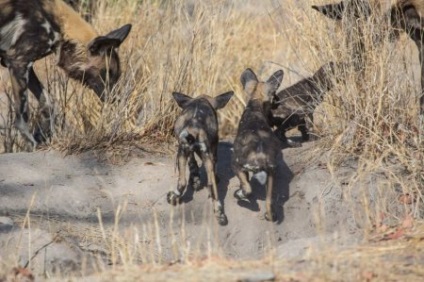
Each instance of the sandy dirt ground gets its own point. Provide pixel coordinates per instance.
(76, 204)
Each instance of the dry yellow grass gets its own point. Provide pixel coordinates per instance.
(399, 260)
(394, 254)
(203, 47)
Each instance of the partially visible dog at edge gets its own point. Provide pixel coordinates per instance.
(256, 148)
(31, 30)
(294, 106)
(197, 132)
(401, 16)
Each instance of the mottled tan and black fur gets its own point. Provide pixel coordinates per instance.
(256, 148)
(197, 132)
(31, 30)
(403, 15)
(293, 104)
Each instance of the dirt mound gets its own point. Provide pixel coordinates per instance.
(68, 196)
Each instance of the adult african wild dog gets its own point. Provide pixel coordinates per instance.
(256, 148)
(197, 132)
(403, 15)
(291, 105)
(31, 30)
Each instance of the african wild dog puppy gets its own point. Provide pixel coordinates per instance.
(403, 15)
(256, 148)
(290, 106)
(197, 132)
(31, 30)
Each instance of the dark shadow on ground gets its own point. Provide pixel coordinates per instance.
(292, 142)
(223, 173)
(281, 191)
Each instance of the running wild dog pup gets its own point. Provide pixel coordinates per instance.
(256, 148)
(31, 30)
(292, 105)
(197, 132)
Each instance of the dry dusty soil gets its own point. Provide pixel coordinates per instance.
(59, 213)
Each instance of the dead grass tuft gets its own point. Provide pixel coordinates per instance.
(390, 259)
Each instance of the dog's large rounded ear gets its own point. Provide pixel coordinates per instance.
(113, 39)
(332, 11)
(120, 33)
(221, 100)
(274, 82)
(248, 76)
(181, 99)
(102, 44)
